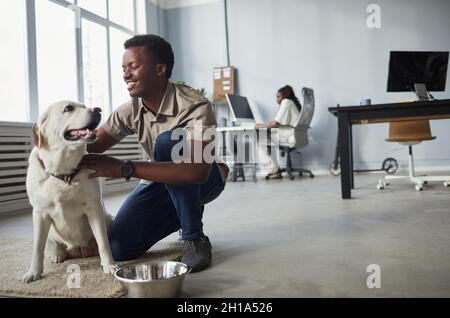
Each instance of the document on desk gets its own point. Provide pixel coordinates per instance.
(226, 72)
(236, 128)
(217, 74)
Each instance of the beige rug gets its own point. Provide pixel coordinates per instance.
(59, 279)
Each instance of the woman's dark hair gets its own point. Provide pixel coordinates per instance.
(288, 92)
(156, 47)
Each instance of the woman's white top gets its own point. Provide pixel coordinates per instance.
(288, 113)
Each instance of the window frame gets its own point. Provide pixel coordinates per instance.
(80, 13)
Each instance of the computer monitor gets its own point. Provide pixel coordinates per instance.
(421, 72)
(240, 109)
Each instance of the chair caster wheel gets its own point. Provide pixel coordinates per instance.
(418, 187)
(446, 183)
(291, 177)
(381, 184)
(311, 175)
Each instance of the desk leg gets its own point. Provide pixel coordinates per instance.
(344, 152)
(352, 180)
(224, 145)
(235, 164)
(254, 144)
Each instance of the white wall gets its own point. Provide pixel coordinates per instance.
(323, 44)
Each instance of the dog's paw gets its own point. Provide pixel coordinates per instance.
(57, 259)
(110, 268)
(30, 277)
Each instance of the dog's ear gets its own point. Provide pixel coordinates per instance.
(39, 131)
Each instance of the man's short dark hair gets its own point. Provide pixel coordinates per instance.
(158, 47)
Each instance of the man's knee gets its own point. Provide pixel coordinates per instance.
(164, 144)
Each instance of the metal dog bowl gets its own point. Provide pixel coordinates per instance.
(153, 280)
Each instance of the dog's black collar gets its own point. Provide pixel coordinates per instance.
(67, 178)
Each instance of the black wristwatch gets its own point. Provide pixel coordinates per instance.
(127, 169)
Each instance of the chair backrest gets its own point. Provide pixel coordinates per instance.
(307, 112)
(304, 120)
(410, 131)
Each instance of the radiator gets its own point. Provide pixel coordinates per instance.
(15, 147)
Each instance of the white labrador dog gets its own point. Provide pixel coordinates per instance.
(68, 209)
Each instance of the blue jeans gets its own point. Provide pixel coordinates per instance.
(155, 210)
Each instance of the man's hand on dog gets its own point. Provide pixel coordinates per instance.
(103, 166)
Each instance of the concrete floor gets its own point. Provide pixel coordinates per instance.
(300, 239)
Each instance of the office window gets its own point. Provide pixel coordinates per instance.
(95, 66)
(56, 55)
(95, 6)
(13, 77)
(122, 12)
(57, 64)
(119, 89)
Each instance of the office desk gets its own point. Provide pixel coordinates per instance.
(380, 113)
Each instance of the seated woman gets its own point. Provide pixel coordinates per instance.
(288, 114)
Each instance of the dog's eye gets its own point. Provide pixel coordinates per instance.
(68, 108)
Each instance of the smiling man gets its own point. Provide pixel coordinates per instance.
(171, 196)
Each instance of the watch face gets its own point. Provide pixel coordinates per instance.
(127, 170)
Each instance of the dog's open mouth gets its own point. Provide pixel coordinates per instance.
(85, 133)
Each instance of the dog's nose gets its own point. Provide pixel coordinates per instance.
(95, 109)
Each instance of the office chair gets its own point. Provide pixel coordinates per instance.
(411, 133)
(292, 138)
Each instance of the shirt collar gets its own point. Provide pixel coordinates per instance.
(167, 103)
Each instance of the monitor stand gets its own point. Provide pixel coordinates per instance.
(421, 91)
